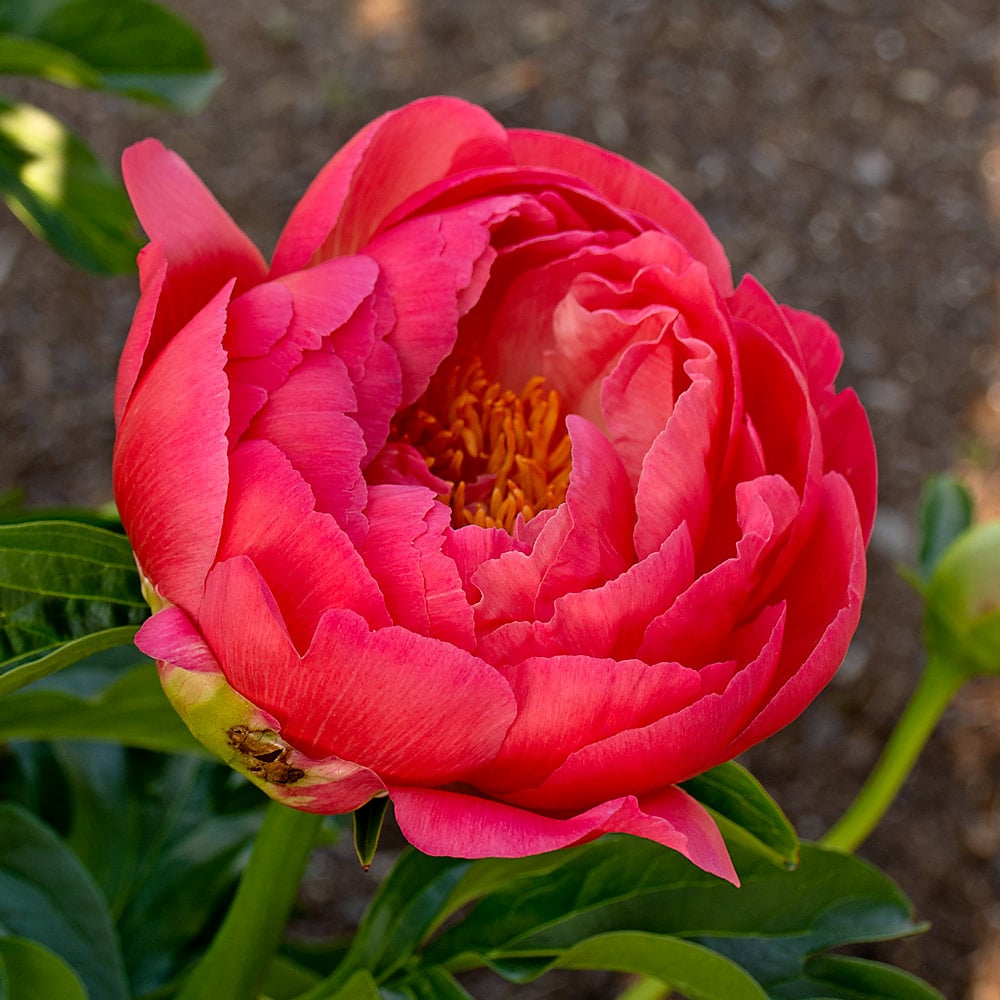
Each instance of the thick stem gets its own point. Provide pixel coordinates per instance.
(933, 694)
(236, 959)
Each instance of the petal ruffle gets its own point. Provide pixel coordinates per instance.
(626, 184)
(171, 474)
(438, 711)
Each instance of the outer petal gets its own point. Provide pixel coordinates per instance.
(411, 708)
(246, 738)
(203, 247)
(565, 703)
(368, 177)
(171, 474)
(152, 275)
(451, 824)
(823, 612)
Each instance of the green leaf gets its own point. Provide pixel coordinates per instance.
(46, 895)
(360, 986)
(434, 984)
(945, 512)
(747, 812)
(56, 186)
(688, 968)
(27, 969)
(405, 909)
(836, 976)
(130, 47)
(769, 926)
(285, 979)
(66, 590)
(131, 711)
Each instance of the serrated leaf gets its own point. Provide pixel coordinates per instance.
(56, 186)
(28, 969)
(945, 512)
(46, 895)
(131, 47)
(131, 711)
(62, 583)
(735, 795)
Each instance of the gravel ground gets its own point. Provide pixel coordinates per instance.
(843, 151)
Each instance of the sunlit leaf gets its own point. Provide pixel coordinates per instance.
(55, 185)
(131, 47)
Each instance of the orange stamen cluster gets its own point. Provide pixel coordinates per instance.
(504, 454)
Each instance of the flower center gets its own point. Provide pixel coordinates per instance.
(504, 453)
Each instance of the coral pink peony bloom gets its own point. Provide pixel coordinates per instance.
(491, 494)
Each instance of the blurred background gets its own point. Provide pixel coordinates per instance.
(846, 153)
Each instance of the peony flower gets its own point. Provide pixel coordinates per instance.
(491, 494)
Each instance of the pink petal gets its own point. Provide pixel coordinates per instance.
(602, 621)
(276, 323)
(429, 264)
(823, 612)
(152, 275)
(403, 551)
(203, 247)
(566, 703)
(411, 708)
(171, 475)
(308, 419)
(680, 468)
(368, 178)
(308, 562)
(848, 448)
(451, 824)
(629, 185)
(693, 630)
(586, 542)
(690, 735)
(194, 683)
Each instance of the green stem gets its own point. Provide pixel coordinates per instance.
(241, 950)
(933, 694)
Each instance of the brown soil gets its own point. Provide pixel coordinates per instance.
(842, 150)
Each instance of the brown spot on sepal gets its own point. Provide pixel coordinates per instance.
(264, 757)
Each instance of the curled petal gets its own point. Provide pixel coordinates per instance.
(440, 822)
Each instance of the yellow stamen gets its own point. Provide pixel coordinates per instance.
(505, 454)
